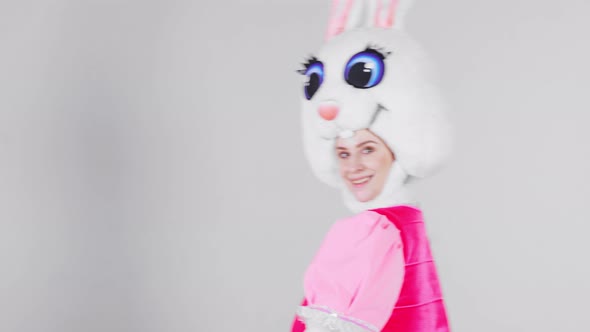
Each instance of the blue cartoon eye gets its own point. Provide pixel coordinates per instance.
(365, 69)
(315, 78)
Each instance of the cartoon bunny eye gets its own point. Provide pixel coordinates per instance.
(365, 69)
(315, 78)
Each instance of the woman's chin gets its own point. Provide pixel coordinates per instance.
(364, 197)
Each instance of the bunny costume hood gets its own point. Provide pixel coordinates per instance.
(371, 75)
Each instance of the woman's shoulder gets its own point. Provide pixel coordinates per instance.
(364, 217)
(360, 225)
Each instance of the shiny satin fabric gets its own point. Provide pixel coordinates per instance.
(419, 306)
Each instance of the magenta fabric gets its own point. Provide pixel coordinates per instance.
(362, 271)
(420, 305)
(299, 326)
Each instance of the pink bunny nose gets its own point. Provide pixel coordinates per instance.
(328, 111)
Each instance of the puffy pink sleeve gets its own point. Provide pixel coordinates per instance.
(358, 272)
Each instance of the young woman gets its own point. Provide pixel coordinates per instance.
(371, 122)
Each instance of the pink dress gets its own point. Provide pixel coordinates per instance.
(375, 272)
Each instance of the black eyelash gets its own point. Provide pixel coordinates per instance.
(310, 60)
(378, 49)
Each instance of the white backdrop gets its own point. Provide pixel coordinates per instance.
(152, 176)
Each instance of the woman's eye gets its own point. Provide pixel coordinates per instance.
(343, 155)
(368, 150)
(365, 69)
(315, 78)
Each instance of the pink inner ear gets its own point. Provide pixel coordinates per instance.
(338, 18)
(390, 18)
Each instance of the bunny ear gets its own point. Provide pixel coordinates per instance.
(389, 13)
(345, 15)
(350, 14)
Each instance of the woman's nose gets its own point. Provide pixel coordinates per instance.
(355, 164)
(328, 111)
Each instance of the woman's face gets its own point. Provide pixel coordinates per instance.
(365, 162)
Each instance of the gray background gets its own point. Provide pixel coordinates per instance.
(152, 176)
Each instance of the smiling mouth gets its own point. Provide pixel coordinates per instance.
(346, 133)
(374, 117)
(359, 183)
